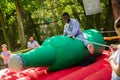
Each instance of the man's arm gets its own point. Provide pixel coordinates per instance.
(37, 44)
(76, 26)
(28, 46)
(64, 32)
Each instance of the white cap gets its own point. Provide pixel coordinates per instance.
(15, 63)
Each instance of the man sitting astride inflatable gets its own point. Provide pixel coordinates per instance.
(72, 29)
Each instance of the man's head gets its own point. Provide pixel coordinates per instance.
(66, 17)
(31, 39)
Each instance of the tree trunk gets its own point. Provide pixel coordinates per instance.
(116, 12)
(4, 30)
(116, 8)
(20, 25)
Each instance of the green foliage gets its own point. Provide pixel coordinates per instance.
(68, 9)
(9, 12)
(9, 7)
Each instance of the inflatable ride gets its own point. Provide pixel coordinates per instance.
(58, 58)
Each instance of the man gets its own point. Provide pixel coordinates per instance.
(72, 29)
(32, 43)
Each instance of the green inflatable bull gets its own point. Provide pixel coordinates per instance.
(57, 52)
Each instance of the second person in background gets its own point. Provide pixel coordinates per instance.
(32, 43)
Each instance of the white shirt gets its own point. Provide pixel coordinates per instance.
(73, 29)
(33, 44)
(116, 56)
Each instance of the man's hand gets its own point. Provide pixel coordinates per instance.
(90, 48)
(72, 37)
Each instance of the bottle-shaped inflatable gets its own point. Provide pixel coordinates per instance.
(57, 52)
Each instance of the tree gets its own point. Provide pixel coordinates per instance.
(116, 11)
(20, 24)
(3, 29)
(116, 8)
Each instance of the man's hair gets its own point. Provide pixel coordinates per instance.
(65, 13)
